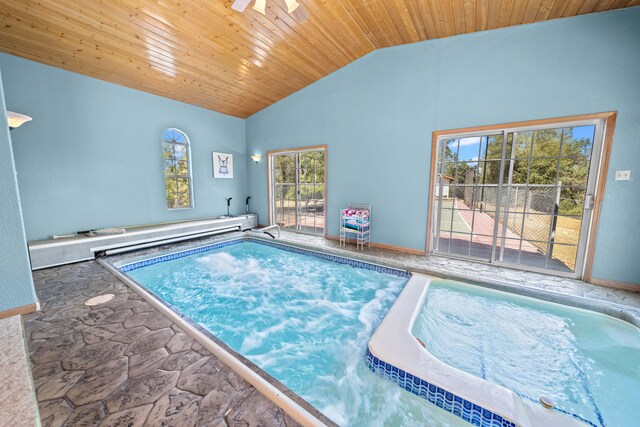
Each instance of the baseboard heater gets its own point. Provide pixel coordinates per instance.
(134, 247)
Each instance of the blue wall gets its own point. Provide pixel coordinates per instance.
(91, 157)
(16, 284)
(378, 113)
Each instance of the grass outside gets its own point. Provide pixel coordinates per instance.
(536, 229)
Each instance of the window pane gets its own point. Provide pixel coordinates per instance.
(520, 171)
(182, 167)
(318, 167)
(517, 198)
(175, 152)
(167, 151)
(456, 192)
(445, 220)
(170, 167)
(536, 227)
(469, 148)
(523, 145)
(489, 172)
(574, 171)
(450, 149)
(531, 254)
(483, 223)
(546, 142)
(578, 141)
(466, 173)
(179, 137)
(571, 201)
(567, 230)
(460, 244)
(485, 198)
(184, 200)
(450, 170)
(481, 247)
(543, 171)
(183, 185)
(171, 195)
(472, 196)
(284, 169)
(494, 148)
(542, 199)
(563, 257)
(170, 185)
(180, 151)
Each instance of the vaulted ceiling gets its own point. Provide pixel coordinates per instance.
(204, 53)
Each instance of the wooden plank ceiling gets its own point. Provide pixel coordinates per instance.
(204, 53)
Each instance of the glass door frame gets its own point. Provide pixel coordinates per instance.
(271, 184)
(603, 122)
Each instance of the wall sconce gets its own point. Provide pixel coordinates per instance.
(16, 119)
(256, 158)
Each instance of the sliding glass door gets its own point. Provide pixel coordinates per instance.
(518, 197)
(297, 184)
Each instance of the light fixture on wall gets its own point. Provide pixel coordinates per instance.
(16, 119)
(260, 5)
(256, 157)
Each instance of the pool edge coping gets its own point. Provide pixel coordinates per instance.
(232, 240)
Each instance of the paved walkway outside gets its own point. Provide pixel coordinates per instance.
(457, 223)
(483, 226)
(123, 363)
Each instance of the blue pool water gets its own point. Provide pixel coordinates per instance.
(304, 320)
(587, 363)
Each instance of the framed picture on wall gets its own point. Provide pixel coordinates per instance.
(222, 165)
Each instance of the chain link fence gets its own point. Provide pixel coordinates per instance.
(529, 210)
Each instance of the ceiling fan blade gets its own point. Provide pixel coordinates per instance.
(291, 5)
(240, 5)
(260, 6)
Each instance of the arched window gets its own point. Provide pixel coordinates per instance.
(177, 169)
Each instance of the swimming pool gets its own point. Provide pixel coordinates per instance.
(302, 317)
(498, 359)
(587, 363)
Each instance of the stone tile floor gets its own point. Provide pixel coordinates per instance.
(123, 363)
